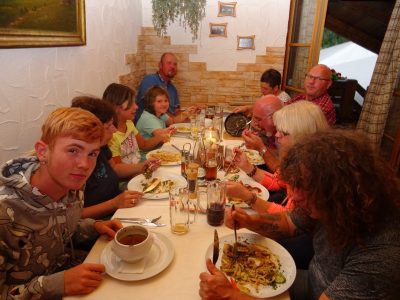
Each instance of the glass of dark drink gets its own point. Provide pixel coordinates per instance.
(216, 192)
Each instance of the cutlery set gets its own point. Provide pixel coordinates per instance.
(143, 221)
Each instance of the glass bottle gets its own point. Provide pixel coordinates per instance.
(199, 155)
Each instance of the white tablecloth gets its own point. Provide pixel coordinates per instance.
(180, 280)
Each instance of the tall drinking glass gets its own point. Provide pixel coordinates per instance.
(216, 193)
(194, 127)
(179, 210)
(211, 164)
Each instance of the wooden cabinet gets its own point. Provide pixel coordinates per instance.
(342, 93)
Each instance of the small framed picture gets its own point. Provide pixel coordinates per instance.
(226, 9)
(246, 42)
(218, 29)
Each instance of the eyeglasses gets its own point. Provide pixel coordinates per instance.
(309, 76)
(257, 119)
(283, 133)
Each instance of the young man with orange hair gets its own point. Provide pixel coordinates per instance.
(40, 211)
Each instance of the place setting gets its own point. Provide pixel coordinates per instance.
(256, 265)
(135, 254)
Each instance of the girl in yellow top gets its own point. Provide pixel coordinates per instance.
(127, 141)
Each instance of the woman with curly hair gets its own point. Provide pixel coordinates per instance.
(346, 197)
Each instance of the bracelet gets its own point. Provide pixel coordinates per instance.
(252, 200)
(252, 172)
(262, 152)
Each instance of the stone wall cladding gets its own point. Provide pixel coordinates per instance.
(194, 83)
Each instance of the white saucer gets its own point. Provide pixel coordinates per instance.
(160, 256)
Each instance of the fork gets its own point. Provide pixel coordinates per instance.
(233, 159)
(234, 229)
(143, 220)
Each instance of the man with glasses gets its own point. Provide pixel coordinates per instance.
(316, 84)
(262, 135)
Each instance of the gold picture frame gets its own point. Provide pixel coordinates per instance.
(218, 29)
(246, 42)
(50, 23)
(226, 9)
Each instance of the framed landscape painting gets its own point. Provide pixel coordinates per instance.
(226, 9)
(245, 42)
(218, 29)
(42, 23)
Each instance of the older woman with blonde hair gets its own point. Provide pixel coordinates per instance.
(292, 122)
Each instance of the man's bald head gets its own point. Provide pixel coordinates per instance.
(317, 81)
(263, 110)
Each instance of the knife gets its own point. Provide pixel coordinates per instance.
(215, 247)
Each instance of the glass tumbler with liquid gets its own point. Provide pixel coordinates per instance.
(192, 169)
(216, 193)
(179, 210)
(211, 164)
(185, 158)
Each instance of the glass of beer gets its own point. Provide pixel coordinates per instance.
(179, 210)
(192, 169)
(211, 164)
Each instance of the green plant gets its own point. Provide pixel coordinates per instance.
(189, 13)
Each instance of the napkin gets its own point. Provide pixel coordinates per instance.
(132, 268)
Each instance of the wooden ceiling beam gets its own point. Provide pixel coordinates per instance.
(351, 33)
(379, 10)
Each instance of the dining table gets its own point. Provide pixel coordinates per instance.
(180, 279)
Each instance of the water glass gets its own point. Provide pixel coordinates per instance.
(194, 127)
(221, 156)
(185, 155)
(179, 210)
(216, 193)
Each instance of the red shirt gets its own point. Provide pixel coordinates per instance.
(324, 101)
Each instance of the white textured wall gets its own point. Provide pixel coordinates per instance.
(266, 19)
(33, 81)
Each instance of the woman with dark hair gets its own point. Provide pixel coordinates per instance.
(270, 83)
(346, 197)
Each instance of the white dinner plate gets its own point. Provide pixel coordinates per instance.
(182, 128)
(254, 157)
(264, 192)
(288, 266)
(167, 150)
(135, 184)
(160, 256)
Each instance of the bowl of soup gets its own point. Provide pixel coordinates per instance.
(132, 243)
